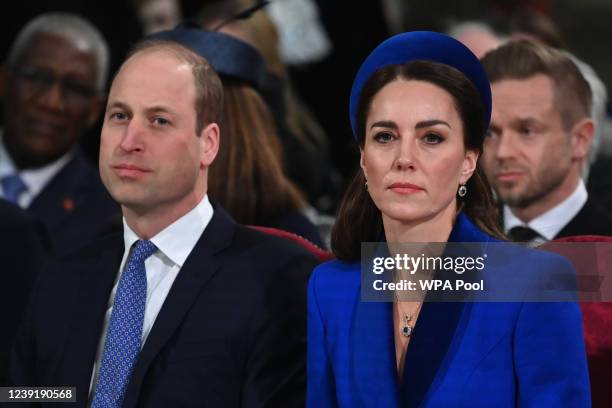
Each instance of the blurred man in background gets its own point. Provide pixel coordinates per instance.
(52, 89)
(540, 136)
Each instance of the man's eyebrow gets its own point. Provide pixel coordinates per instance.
(526, 119)
(152, 109)
(160, 109)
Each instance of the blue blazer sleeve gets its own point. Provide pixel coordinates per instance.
(320, 377)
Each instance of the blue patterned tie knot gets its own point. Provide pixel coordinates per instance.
(124, 335)
(12, 187)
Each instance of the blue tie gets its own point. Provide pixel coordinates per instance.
(12, 187)
(124, 335)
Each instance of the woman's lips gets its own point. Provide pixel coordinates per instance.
(405, 188)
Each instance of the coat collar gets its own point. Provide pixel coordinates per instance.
(199, 268)
(375, 375)
(94, 284)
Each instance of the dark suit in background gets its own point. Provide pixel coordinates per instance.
(23, 252)
(75, 207)
(231, 333)
(592, 219)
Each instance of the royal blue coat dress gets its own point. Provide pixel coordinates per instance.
(479, 354)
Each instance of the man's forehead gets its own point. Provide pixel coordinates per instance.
(538, 84)
(46, 45)
(54, 52)
(153, 78)
(157, 61)
(533, 94)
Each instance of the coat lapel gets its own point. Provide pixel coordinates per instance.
(375, 373)
(198, 269)
(430, 344)
(440, 326)
(91, 301)
(62, 195)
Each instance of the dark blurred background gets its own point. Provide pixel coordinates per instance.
(353, 29)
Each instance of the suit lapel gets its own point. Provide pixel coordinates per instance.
(199, 268)
(61, 196)
(86, 329)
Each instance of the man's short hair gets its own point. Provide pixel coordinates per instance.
(523, 59)
(209, 89)
(72, 28)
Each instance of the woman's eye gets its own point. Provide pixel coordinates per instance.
(432, 138)
(118, 115)
(383, 137)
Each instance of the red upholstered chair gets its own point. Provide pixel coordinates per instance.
(597, 326)
(321, 254)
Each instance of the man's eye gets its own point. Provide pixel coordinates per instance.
(432, 138)
(161, 121)
(383, 137)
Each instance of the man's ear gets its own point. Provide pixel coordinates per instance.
(97, 106)
(469, 165)
(582, 137)
(209, 139)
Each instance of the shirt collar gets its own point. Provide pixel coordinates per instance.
(552, 221)
(34, 179)
(178, 239)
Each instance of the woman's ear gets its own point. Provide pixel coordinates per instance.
(362, 163)
(469, 165)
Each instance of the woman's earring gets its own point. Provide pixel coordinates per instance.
(366, 185)
(462, 190)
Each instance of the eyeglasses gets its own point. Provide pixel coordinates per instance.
(41, 80)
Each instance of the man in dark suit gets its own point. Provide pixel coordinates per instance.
(24, 249)
(539, 139)
(53, 84)
(186, 308)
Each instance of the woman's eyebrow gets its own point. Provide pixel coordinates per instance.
(432, 122)
(385, 124)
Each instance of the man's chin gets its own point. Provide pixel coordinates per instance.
(510, 197)
(129, 198)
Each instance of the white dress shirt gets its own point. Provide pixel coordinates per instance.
(174, 245)
(549, 224)
(35, 180)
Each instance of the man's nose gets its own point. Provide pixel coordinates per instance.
(132, 140)
(52, 97)
(506, 146)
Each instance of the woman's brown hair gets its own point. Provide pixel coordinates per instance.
(359, 220)
(247, 177)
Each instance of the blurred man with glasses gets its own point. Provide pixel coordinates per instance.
(52, 87)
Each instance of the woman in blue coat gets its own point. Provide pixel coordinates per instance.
(420, 106)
